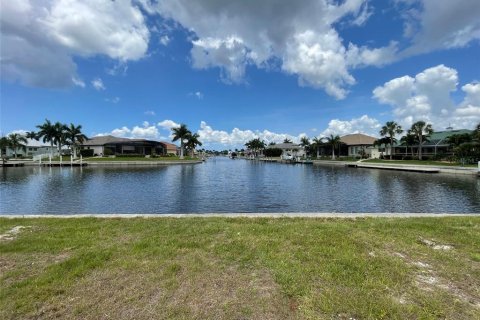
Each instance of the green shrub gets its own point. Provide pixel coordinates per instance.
(86, 153)
(272, 152)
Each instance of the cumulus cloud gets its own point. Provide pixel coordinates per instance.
(363, 124)
(145, 131)
(168, 124)
(238, 137)
(149, 113)
(301, 36)
(440, 24)
(40, 38)
(427, 97)
(98, 84)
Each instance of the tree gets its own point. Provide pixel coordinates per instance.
(390, 129)
(421, 131)
(47, 133)
(3, 148)
(476, 133)
(74, 137)
(317, 143)
(286, 140)
(408, 140)
(334, 141)
(17, 141)
(31, 135)
(192, 142)
(181, 133)
(305, 143)
(60, 135)
(255, 145)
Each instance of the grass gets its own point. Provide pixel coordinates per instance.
(138, 159)
(240, 268)
(422, 162)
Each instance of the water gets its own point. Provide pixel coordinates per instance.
(222, 185)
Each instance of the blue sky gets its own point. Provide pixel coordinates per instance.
(234, 70)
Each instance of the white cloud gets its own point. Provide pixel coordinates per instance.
(165, 40)
(363, 124)
(39, 38)
(238, 137)
(441, 24)
(146, 131)
(149, 113)
(168, 124)
(78, 82)
(30, 142)
(300, 35)
(98, 84)
(199, 95)
(427, 97)
(113, 100)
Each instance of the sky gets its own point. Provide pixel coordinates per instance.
(237, 70)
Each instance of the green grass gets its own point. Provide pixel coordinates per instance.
(195, 268)
(139, 159)
(421, 162)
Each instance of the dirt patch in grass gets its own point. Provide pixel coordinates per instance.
(194, 286)
(12, 233)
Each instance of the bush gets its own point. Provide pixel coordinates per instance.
(86, 153)
(272, 152)
(107, 152)
(130, 155)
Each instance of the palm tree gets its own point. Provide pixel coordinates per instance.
(286, 140)
(74, 137)
(421, 131)
(317, 143)
(31, 135)
(333, 141)
(409, 140)
(390, 129)
(192, 142)
(255, 145)
(305, 143)
(181, 133)
(17, 141)
(60, 135)
(48, 133)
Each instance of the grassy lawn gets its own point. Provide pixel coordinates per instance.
(139, 159)
(240, 268)
(420, 162)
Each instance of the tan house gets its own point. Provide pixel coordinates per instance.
(357, 142)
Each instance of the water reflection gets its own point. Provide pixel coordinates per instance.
(223, 185)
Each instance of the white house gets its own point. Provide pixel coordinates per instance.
(289, 150)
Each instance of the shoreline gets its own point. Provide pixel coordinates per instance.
(313, 215)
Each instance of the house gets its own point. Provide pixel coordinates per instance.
(110, 145)
(171, 148)
(289, 150)
(30, 150)
(437, 144)
(356, 143)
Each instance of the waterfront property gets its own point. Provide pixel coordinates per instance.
(289, 150)
(110, 145)
(31, 151)
(437, 144)
(354, 144)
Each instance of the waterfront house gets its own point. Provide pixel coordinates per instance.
(110, 145)
(30, 151)
(354, 144)
(437, 145)
(289, 150)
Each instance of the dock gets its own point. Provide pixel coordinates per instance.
(397, 167)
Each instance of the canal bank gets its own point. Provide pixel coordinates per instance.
(403, 167)
(220, 268)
